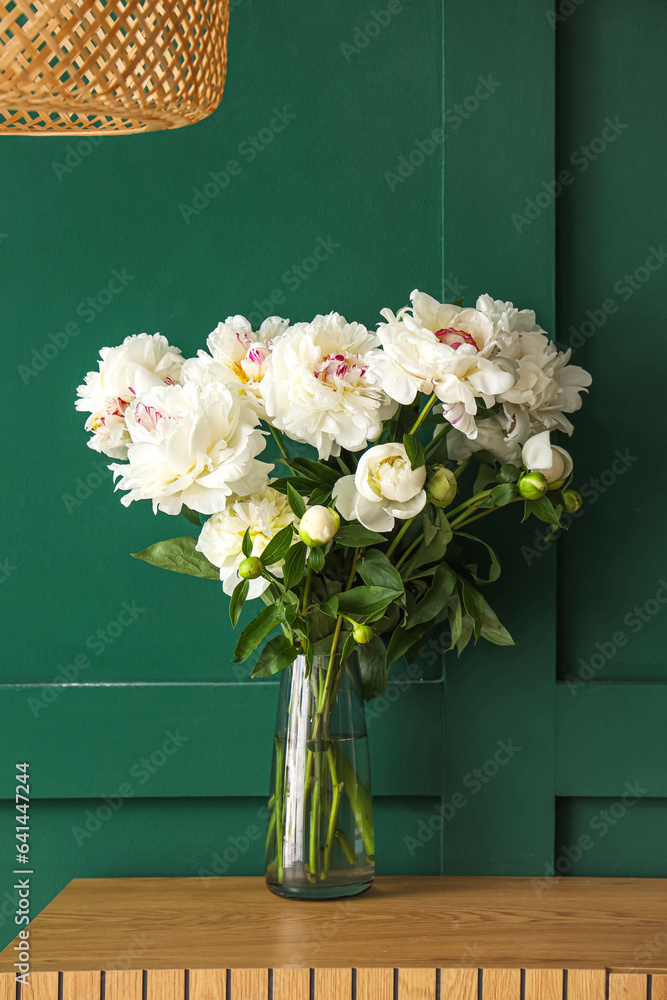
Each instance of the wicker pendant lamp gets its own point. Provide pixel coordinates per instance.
(110, 66)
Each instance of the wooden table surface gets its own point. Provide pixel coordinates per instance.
(427, 922)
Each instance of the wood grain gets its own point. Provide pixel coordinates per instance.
(8, 986)
(623, 986)
(208, 984)
(502, 984)
(42, 986)
(544, 984)
(586, 984)
(416, 984)
(375, 984)
(291, 984)
(250, 984)
(458, 984)
(124, 984)
(82, 985)
(659, 991)
(416, 922)
(333, 984)
(165, 984)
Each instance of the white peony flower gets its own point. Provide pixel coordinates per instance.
(264, 513)
(438, 348)
(383, 487)
(238, 357)
(138, 364)
(317, 388)
(539, 455)
(491, 437)
(193, 446)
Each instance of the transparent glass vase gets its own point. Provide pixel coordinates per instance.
(320, 842)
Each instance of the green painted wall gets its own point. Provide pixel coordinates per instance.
(327, 124)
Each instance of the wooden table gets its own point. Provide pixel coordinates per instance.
(406, 939)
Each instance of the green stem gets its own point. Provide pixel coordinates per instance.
(313, 856)
(468, 520)
(360, 801)
(271, 830)
(306, 587)
(278, 812)
(462, 467)
(346, 846)
(410, 549)
(435, 440)
(279, 442)
(468, 503)
(333, 817)
(424, 413)
(399, 536)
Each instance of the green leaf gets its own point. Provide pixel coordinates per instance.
(544, 510)
(415, 451)
(429, 525)
(296, 501)
(403, 639)
(321, 496)
(355, 536)
(503, 494)
(246, 544)
(474, 605)
(237, 600)
(486, 621)
(276, 655)
(372, 664)
(295, 565)
(376, 569)
(444, 581)
(316, 470)
(494, 570)
(180, 556)
(435, 550)
(278, 546)
(361, 601)
(348, 646)
(509, 473)
(455, 616)
(316, 559)
(486, 474)
(256, 632)
(467, 627)
(191, 515)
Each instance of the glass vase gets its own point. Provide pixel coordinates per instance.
(320, 842)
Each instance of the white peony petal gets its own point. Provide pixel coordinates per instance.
(373, 515)
(345, 495)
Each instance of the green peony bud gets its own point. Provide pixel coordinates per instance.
(572, 500)
(533, 485)
(362, 634)
(318, 526)
(441, 486)
(250, 568)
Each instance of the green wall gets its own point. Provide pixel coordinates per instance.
(344, 117)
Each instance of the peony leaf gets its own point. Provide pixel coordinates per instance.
(237, 600)
(436, 597)
(494, 571)
(415, 451)
(316, 559)
(246, 544)
(191, 515)
(278, 546)
(296, 501)
(355, 536)
(295, 564)
(375, 568)
(504, 494)
(276, 655)
(373, 667)
(180, 556)
(543, 509)
(509, 473)
(257, 631)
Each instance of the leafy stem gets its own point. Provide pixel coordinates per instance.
(279, 442)
(399, 536)
(424, 413)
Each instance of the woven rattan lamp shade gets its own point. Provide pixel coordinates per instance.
(110, 66)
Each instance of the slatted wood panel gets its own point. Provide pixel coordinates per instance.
(208, 984)
(333, 983)
(375, 984)
(250, 984)
(544, 984)
(458, 984)
(659, 991)
(43, 986)
(123, 984)
(165, 983)
(8, 989)
(81, 985)
(502, 984)
(416, 984)
(291, 984)
(626, 986)
(585, 985)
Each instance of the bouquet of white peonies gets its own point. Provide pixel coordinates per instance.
(365, 542)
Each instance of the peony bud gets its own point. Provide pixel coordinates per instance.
(441, 486)
(250, 568)
(533, 485)
(318, 526)
(572, 500)
(362, 634)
